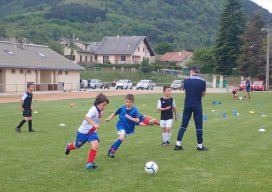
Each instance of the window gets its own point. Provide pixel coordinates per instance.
(91, 58)
(21, 71)
(13, 71)
(106, 59)
(66, 72)
(123, 58)
(86, 58)
(60, 72)
(41, 55)
(138, 48)
(86, 47)
(80, 58)
(0, 70)
(9, 52)
(29, 71)
(143, 49)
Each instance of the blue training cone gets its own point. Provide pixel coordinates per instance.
(224, 115)
(205, 118)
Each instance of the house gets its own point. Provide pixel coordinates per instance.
(124, 50)
(181, 58)
(115, 50)
(21, 63)
(79, 51)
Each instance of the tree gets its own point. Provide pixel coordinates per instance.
(56, 47)
(145, 65)
(252, 59)
(228, 43)
(3, 32)
(204, 58)
(163, 47)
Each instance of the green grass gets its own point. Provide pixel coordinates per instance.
(239, 157)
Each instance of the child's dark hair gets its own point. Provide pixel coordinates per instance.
(130, 97)
(29, 85)
(165, 87)
(101, 98)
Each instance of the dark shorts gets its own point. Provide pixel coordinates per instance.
(248, 89)
(27, 113)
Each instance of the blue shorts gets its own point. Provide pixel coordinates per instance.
(248, 89)
(124, 130)
(83, 138)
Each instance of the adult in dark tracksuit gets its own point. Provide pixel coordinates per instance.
(195, 89)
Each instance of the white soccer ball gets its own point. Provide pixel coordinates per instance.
(151, 167)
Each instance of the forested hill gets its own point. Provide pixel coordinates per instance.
(183, 23)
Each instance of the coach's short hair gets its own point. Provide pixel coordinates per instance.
(130, 97)
(166, 87)
(101, 98)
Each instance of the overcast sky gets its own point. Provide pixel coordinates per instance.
(267, 4)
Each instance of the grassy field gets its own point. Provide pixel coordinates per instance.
(239, 157)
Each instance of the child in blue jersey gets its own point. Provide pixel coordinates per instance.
(128, 118)
(87, 130)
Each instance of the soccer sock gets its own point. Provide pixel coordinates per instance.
(199, 145)
(156, 123)
(164, 136)
(116, 144)
(71, 147)
(30, 125)
(178, 143)
(21, 123)
(92, 155)
(168, 136)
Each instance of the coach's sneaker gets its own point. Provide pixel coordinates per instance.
(111, 153)
(67, 151)
(202, 148)
(91, 166)
(18, 130)
(178, 148)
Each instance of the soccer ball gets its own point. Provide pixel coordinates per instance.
(151, 167)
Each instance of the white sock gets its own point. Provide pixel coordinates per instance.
(178, 143)
(169, 136)
(199, 145)
(164, 136)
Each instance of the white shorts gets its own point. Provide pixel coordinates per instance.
(166, 123)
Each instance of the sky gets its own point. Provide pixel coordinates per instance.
(267, 4)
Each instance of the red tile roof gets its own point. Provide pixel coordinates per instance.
(176, 56)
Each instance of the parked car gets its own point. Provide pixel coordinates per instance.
(106, 86)
(123, 84)
(95, 83)
(243, 85)
(259, 86)
(83, 83)
(113, 83)
(145, 84)
(177, 84)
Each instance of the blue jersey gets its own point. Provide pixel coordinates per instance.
(124, 123)
(194, 86)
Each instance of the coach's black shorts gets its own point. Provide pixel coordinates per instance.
(27, 113)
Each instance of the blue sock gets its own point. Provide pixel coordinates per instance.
(116, 144)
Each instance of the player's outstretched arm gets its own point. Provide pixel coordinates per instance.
(110, 117)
